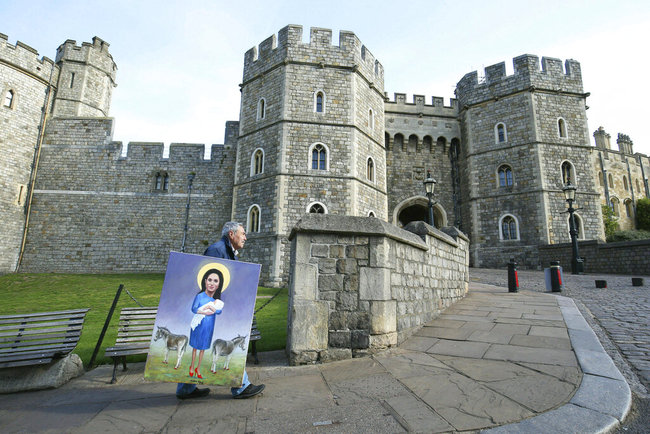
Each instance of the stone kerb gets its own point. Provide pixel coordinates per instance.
(359, 285)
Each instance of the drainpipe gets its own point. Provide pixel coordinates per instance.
(602, 168)
(37, 156)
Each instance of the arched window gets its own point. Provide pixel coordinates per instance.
(427, 143)
(316, 208)
(600, 179)
(505, 176)
(637, 186)
(413, 143)
(261, 109)
(9, 99)
(319, 157)
(625, 186)
(371, 214)
(253, 219)
(387, 141)
(615, 206)
(371, 120)
(257, 162)
(161, 181)
(561, 128)
(500, 133)
(568, 173)
(610, 181)
(399, 142)
(370, 170)
(579, 226)
(508, 228)
(629, 209)
(319, 101)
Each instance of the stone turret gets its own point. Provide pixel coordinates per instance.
(86, 80)
(625, 144)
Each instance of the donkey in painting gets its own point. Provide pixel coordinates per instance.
(173, 342)
(225, 348)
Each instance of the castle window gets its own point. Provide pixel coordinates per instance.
(319, 102)
(399, 142)
(371, 214)
(257, 162)
(413, 143)
(610, 181)
(316, 208)
(568, 173)
(637, 186)
(561, 128)
(9, 99)
(505, 176)
(509, 228)
(629, 209)
(71, 80)
(319, 157)
(615, 206)
(370, 170)
(261, 109)
(577, 220)
(161, 181)
(22, 195)
(387, 140)
(500, 133)
(625, 186)
(600, 179)
(253, 219)
(371, 119)
(427, 143)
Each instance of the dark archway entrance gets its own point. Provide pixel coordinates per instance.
(418, 212)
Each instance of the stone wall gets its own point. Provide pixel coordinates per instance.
(628, 257)
(359, 284)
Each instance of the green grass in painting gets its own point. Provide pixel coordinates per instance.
(30, 293)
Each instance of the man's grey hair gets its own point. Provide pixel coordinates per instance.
(230, 226)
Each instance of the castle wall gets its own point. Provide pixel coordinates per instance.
(435, 126)
(28, 77)
(359, 285)
(94, 211)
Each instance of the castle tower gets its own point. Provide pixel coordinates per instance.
(524, 137)
(26, 82)
(311, 139)
(625, 144)
(86, 80)
(602, 139)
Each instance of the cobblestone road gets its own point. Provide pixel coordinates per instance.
(621, 310)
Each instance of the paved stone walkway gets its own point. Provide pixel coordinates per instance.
(621, 309)
(524, 362)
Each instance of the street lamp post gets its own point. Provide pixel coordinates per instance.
(429, 186)
(190, 179)
(569, 191)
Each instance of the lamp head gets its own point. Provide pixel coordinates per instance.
(429, 184)
(569, 191)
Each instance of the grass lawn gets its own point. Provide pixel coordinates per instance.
(31, 293)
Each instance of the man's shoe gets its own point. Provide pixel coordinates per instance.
(251, 390)
(196, 393)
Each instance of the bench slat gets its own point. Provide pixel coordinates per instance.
(25, 363)
(36, 342)
(17, 327)
(71, 313)
(35, 354)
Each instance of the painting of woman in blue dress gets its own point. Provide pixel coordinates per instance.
(206, 306)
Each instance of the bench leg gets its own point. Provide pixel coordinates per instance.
(124, 363)
(257, 362)
(115, 362)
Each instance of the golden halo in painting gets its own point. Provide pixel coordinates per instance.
(224, 271)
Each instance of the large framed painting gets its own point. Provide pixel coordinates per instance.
(204, 321)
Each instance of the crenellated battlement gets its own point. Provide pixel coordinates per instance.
(551, 74)
(95, 53)
(24, 57)
(288, 46)
(178, 152)
(399, 102)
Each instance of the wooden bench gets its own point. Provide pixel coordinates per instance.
(134, 335)
(39, 338)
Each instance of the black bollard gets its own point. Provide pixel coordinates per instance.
(556, 277)
(513, 278)
(637, 281)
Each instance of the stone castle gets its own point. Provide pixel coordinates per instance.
(317, 134)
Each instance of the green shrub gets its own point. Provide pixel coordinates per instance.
(628, 236)
(610, 221)
(643, 214)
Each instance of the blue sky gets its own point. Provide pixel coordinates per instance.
(180, 63)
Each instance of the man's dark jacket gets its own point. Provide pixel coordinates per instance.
(221, 249)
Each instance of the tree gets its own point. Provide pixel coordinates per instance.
(610, 221)
(643, 214)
